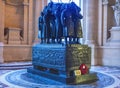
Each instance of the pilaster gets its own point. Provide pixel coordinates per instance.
(25, 26)
(105, 20)
(30, 22)
(38, 8)
(2, 14)
(91, 21)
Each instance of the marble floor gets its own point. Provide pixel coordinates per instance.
(14, 75)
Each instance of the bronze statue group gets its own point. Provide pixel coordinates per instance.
(60, 21)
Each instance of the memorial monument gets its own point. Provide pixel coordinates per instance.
(60, 56)
(115, 31)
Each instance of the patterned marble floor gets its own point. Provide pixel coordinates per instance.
(109, 77)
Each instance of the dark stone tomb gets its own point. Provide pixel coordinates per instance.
(60, 56)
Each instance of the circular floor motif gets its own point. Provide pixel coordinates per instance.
(23, 79)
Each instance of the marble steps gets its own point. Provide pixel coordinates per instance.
(15, 65)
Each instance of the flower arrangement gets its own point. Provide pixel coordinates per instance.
(84, 69)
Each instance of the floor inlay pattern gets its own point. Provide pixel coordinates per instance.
(109, 77)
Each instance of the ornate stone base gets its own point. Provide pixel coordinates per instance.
(115, 36)
(59, 62)
(88, 78)
(109, 54)
(14, 36)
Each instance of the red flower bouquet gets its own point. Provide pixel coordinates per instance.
(83, 68)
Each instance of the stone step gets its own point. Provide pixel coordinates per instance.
(15, 65)
(14, 68)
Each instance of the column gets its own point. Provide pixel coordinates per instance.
(25, 21)
(2, 4)
(105, 20)
(100, 24)
(30, 22)
(38, 8)
(91, 26)
(2, 14)
(91, 21)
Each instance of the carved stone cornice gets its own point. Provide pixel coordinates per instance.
(14, 2)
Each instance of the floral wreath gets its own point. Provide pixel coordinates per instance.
(83, 68)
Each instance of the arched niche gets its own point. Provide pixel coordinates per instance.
(17, 21)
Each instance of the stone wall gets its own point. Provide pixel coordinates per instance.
(13, 53)
(14, 14)
(107, 55)
(97, 22)
(16, 29)
(17, 16)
